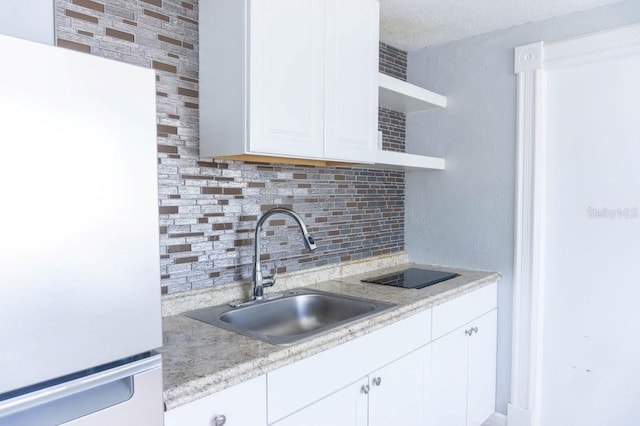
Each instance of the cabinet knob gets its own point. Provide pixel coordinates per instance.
(219, 420)
(475, 329)
(377, 381)
(365, 389)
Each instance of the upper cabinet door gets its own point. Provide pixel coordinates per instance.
(351, 91)
(286, 77)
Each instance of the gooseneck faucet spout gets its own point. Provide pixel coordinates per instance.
(260, 281)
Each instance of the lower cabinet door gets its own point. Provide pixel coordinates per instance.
(398, 391)
(481, 375)
(346, 407)
(463, 372)
(447, 402)
(240, 405)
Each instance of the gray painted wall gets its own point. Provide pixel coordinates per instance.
(464, 216)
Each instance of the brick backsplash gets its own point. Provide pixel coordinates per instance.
(392, 124)
(393, 61)
(208, 209)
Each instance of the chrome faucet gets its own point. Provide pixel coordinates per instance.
(260, 281)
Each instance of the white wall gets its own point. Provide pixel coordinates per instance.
(464, 215)
(590, 375)
(28, 19)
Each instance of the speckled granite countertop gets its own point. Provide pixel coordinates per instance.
(200, 359)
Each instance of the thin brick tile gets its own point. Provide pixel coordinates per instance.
(163, 128)
(210, 190)
(156, 15)
(179, 248)
(169, 40)
(187, 92)
(82, 16)
(73, 45)
(189, 259)
(89, 4)
(185, 19)
(168, 210)
(168, 149)
(120, 34)
(157, 3)
(232, 191)
(164, 67)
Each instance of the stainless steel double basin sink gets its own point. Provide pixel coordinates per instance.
(297, 315)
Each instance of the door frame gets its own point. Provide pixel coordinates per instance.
(530, 62)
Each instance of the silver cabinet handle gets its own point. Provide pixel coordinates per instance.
(365, 389)
(377, 381)
(475, 329)
(219, 420)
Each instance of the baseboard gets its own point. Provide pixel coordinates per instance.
(496, 419)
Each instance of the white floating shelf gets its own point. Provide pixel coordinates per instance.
(401, 160)
(404, 97)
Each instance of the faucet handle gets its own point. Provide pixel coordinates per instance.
(270, 280)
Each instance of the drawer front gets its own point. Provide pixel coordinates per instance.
(459, 311)
(242, 404)
(297, 385)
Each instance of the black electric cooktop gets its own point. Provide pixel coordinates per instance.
(412, 278)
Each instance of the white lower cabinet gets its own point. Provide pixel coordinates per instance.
(240, 405)
(393, 376)
(393, 394)
(398, 391)
(301, 384)
(346, 407)
(463, 364)
(481, 369)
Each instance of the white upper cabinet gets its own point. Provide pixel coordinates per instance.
(289, 79)
(351, 80)
(286, 78)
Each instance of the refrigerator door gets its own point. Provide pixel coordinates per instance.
(129, 394)
(79, 259)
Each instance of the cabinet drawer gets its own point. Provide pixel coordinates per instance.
(297, 385)
(242, 404)
(459, 311)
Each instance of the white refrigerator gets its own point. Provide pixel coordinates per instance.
(79, 253)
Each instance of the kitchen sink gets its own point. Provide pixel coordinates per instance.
(294, 316)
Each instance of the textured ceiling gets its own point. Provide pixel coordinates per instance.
(413, 24)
